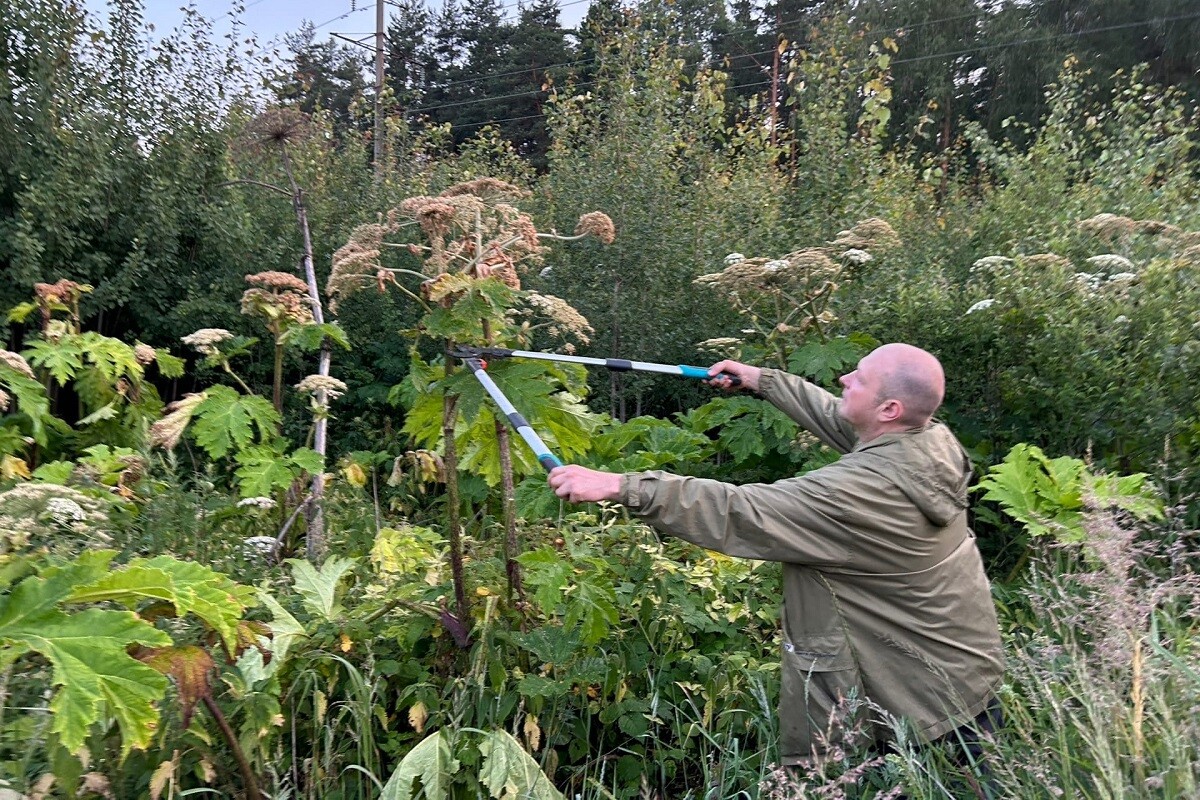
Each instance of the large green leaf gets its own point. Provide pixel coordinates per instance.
(88, 655)
(430, 762)
(62, 358)
(262, 470)
(547, 574)
(208, 594)
(320, 588)
(112, 357)
(510, 773)
(225, 421)
(285, 629)
(592, 606)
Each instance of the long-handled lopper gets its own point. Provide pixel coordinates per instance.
(615, 364)
(544, 456)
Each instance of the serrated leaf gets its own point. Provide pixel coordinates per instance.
(56, 472)
(308, 460)
(21, 311)
(261, 471)
(112, 357)
(225, 421)
(593, 608)
(319, 588)
(87, 653)
(823, 361)
(510, 773)
(202, 591)
(31, 400)
(189, 666)
(285, 629)
(63, 359)
(548, 575)
(169, 366)
(430, 762)
(312, 336)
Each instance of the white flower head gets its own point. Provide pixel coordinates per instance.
(734, 258)
(1121, 320)
(1088, 281)
(776, 265)
(256, 502)
(857, 256)
(64, 511)
(260, 545)
(1123, 277)
(991, 264)
(206, 340)
(1111, 262)
(982, 305)
(545, 273)
(315, 383)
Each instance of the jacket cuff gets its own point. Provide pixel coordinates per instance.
(634, 492)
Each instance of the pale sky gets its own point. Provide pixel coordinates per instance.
(270, 20)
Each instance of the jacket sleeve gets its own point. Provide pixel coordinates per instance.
(809, 406)
(803, 520)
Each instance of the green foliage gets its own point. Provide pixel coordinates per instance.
(1052, 496)
(546, 393)
(225, 421)
(88, 649)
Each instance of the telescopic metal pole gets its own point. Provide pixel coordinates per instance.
(615, 364)
(544, 456)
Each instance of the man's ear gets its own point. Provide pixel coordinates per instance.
(891, 410)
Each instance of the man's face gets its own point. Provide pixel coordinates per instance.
(860, 394)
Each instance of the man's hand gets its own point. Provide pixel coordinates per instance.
(582, 485)
(747, 374)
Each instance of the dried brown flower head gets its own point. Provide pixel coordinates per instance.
(276, 126)
(277, 282)
(4, 400)
(280, 297)
(564, 318)
(16, 362)
(166, 432)
(871, 233)
(1045, 262)
(1108, 227)
(491, 189)
(144, 353)
(599, 225)
(63, 291)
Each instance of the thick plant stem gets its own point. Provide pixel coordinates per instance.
(277, 378)
(248, 779)
(453, 518)
(511, 546)
(315, 544)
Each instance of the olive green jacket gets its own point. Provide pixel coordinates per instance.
(884, 593)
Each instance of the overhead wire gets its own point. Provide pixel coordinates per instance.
(928, 57)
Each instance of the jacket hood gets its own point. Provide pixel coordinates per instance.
(929, 465)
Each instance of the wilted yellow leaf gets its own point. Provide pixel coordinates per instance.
(354, 475)
(344, 643)
(417, 716)
(533, 733)
(163, 775)
(13, 467)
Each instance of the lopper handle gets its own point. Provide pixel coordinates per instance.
(702, 374)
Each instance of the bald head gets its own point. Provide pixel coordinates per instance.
(911, 375)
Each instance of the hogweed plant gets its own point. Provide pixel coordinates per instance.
(467, 246)
(789, 301)
(277, 132)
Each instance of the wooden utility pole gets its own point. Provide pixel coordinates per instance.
(378, 88)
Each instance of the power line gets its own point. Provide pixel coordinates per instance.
(915, 59)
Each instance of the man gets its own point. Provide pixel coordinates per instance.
(884, 593)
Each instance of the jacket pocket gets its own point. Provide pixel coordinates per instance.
(820, 694)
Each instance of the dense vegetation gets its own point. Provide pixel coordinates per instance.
(259, 536)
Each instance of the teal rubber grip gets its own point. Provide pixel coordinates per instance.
(693, 372)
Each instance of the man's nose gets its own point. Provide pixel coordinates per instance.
(842, 380)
